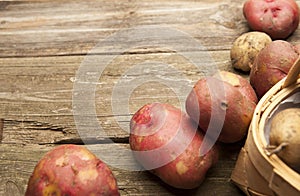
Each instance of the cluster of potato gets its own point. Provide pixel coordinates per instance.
(264, 51)
(224, 98)
(267, 55)
(171, 143)
(268, 62)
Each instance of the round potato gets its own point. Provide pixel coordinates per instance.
(246, 47)
(166, 142)
(285, 131)
(271, 65)
(71, 170)
(224, 98)
(277, 18)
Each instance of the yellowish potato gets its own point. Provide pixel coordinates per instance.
(246, 47)
(285, 132)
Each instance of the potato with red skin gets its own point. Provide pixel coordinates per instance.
(238, 82)
(271, 65)
(224, 98)
(166, 142)
(277, 18)
(71, 170)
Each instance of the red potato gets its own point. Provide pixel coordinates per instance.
(167, 142)
(271, 65)
(224, 98)
(277, 18)
(71, 170)
(238, 82)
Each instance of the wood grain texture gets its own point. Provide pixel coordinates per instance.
(18, 161)
(36, 99)
(45, 44)
(45, 28)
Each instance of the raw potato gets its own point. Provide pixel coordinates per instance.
(246, 47)
(277, 18)
(239, 83)
(167, 142)
(271, 65)
(285, 128)
(232, 100)
(71, 170)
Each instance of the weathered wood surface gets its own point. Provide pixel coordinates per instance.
(71, 27)
(43, 44)
(18, 161)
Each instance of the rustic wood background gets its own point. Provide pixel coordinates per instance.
(43, 44)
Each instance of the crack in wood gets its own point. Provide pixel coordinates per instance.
(1, 129)
(146, 51)
(138, 52)
(83, 141)
(34, 125)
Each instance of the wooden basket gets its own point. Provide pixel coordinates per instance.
(255, 172)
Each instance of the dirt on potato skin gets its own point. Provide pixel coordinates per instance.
(71, 170)
(285, 128)
(166, 142)
(277, 18)
(271, 65)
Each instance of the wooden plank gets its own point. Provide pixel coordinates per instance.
(45, 28)
(36, 93)
(36, 108)
(17, 163)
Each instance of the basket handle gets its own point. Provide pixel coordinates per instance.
(293, 74)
